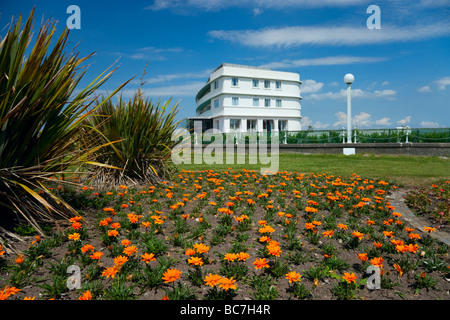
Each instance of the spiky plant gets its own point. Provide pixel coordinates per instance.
(40, 118)
(144, 130)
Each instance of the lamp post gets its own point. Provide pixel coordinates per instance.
(348, 79)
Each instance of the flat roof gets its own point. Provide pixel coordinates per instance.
(239, 66)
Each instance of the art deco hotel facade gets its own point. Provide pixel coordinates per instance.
(240, 98)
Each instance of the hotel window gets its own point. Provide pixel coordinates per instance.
(267, 84)
(251, 125)
(256, 102)
(216, 103)
(278, 103)
(282, 125)
(267, 102)
(278, 84)
(235, 124)
(235, 101)
(216, 84)
(255, 83)
(234, 82)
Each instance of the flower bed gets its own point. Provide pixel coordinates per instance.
(432, 203)
(232, 235)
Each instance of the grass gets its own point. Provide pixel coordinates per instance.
(401, 170)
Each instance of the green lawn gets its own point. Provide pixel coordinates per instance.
(402, 170)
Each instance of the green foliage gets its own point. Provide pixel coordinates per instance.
(41, 114)
(142, 131)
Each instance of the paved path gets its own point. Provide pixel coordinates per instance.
(398, 202)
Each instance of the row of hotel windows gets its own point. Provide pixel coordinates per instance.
(255, 83)
(235, 125)
(267, 102)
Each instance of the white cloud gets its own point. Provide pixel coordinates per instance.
(443, 82)
(325, 61)
(149, 53)
(333, 35)
(306, 122)
(363, 119)
(356, 93)
(183, 90)
(216, 5)
(385, 83)
(429, 124)
(309, 86)
(188, 75)
(383, 122)
(257, 12)
(360, 120)
(424, 89)
(404, 121)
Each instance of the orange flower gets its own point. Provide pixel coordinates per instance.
(189, 252)
(110, 272)
(147, 257)
(349, 277)
(133, 218)
(328, 233)
(120, 260)
(230, 256)
(358, 235)
(196, 261)
(86, 296)
(311, 209)
(171, 275)
(266, 229)
(76, 225)
(227, 284)
(261, 263)
(362, 257)
(201, 248)
(377, 244)
(293, 276)
(212, 279)
(113, 233)
(342, 226)
(115, 225)
(87, 247)
(130, 250)
(411, 247)
(96, 255)
(74, 236)
(274, 249)
(414, 236)
(20, 259)
(398, 268)
(377, 262)
(8, 291)
(429, 229)
(105, 222)
(146, 224)
(125, 242)
(37, 240)
(309, 226)
(388, 234)
(242, 256)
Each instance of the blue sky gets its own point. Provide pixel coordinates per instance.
(402, 71)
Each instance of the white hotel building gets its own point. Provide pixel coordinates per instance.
(240, 98)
